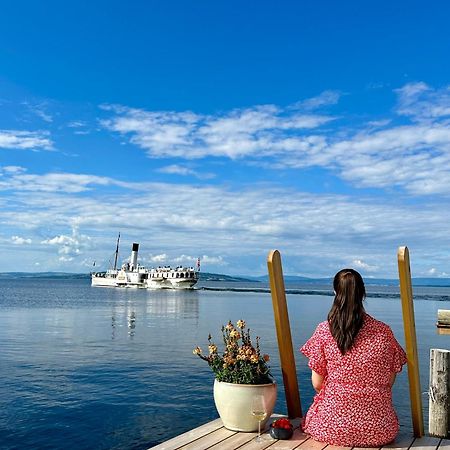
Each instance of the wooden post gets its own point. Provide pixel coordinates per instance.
(287, 360)
(439, 412)
(443, 318)
(406, 295)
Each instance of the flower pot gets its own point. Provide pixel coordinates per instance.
(234, 404)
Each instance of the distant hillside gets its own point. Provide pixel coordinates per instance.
(444, 282)
(65, 275)
(208, 276)
(204, 276)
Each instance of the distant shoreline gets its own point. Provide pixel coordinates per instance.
(206, 276)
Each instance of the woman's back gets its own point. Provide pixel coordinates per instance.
(354, 406)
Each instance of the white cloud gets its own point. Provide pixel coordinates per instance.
(65, 259)
(433, 272)
(25, 140)
(16, 179)
(158, 258)
(414, 157)
(77, 124)
(17, 240)
(359, 264)
(12, 169)
(233, 229)
(326, 98)
(177, 169)
(239, 133)
(69, 246)
(216, 260)
(185, 259)
(40, 110)
(79, 127)
(421, 102)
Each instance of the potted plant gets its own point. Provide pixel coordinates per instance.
(241, 375)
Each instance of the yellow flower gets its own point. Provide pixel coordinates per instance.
(249, 351)
(212, 348)
(197, 351)
(254, 358)
(229, 326)
(240, 323)
(235, 334)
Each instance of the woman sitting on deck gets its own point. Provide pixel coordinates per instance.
(354, 360)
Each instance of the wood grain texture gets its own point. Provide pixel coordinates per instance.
(287, 360)
(189, 436)
(406, 295)
(439, 393)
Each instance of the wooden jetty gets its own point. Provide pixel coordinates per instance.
(215, 436)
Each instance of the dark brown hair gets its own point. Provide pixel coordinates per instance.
(346, 316)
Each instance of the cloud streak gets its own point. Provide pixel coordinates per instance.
(256, 131)
(229, 228)
(25, 140)
(413, 156)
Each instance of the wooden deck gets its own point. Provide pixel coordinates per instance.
(214, 435)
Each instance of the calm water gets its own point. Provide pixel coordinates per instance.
(93, 368)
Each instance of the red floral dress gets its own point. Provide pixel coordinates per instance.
(354, 406)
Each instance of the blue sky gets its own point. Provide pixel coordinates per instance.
(223, 130)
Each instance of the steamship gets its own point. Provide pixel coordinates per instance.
(131, 274)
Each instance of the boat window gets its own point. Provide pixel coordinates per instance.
(181, 275)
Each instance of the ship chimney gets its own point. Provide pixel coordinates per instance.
(134, 255)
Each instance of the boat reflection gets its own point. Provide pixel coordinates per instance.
(145, 311)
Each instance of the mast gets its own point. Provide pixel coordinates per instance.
(117, 252)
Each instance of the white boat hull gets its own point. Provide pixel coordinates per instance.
(133, 275)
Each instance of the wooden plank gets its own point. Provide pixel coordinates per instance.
(287, 360)
(297, 438)
(189, 436)
(442, 330)
(337, 447)
(234, 442)
(444, 445)
(401, 442)
(253, 445)
(406, 295)
(209, 440)
(311, 444)
(426, 443)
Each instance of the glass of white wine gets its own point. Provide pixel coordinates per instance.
(259, 411)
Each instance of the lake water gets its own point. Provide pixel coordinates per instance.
(96, 368)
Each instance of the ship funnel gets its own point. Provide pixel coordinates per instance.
(134, 255)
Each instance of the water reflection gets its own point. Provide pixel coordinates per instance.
(174, 304)
(143, 310)
(131, 324)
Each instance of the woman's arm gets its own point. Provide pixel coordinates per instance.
(317, 381)
(392, 379)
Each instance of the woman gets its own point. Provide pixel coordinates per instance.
(354, 360)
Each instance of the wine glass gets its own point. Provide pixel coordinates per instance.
(259, 411)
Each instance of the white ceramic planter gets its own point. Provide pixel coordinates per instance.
(234, 404)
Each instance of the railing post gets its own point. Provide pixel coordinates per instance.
(287, 360)
(406, 295)
(439, 413)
